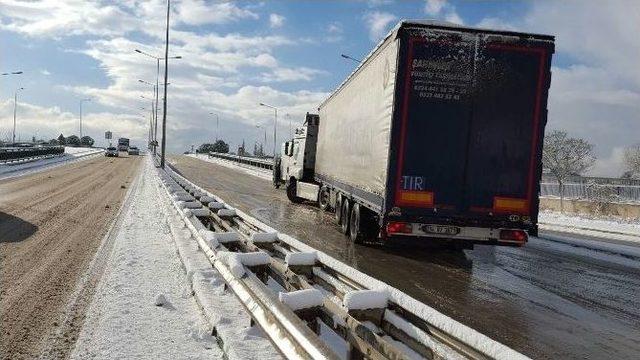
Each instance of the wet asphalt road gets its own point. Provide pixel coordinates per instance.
(546, 300)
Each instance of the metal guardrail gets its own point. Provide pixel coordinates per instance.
(21, 153)
(399, 329)
(252, 161)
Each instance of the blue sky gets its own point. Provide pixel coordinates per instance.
(287, 53)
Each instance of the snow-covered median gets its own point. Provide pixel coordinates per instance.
(247, 169)
(617, 229)
(71, 154)
(159, 297)
(143, 306)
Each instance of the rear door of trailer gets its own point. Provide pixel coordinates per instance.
(469, 119)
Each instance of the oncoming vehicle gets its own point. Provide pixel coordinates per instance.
(133, 151)
(111, 151)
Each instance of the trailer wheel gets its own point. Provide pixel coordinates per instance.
(357, 226)
(338, 209)
(344, 216)
(323, 198)
(291, 193)
(276, 172)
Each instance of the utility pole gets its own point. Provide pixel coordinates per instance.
(15, 106)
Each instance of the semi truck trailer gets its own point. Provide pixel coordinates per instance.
(123, 144)
(437, 134)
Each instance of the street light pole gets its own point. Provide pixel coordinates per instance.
(217, 125)
(164, 100)
(15, 106)
(157, 86)
(275, 126)
(81, 101)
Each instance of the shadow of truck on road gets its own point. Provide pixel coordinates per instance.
(14, 229)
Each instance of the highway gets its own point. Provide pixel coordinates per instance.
(546, 300)
(51, 225)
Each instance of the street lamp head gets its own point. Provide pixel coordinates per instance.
(177, 57)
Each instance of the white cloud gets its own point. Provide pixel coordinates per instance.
(50, 18)
(48, 122)
(276, 21)
(434, 7)
(495, 23)
(334, 32)
(441, 9)
(53, 18)
(294, 74)
(45, 72)
(200, 12)
(378, 23)
(598, 98)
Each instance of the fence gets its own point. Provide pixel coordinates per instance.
(594, 189)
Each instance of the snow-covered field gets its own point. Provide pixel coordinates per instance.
(248, 169)
(616, 229)
(144, 306)
(71, 154)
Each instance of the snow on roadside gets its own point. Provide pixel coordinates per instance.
(123, 321)
(247, 169)
(71, 154)
(576, 224)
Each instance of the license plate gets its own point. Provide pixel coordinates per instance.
(441, 229)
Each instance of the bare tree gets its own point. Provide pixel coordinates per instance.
(632, 162)
(564, 156)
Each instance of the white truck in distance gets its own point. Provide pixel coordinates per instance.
(437, 134)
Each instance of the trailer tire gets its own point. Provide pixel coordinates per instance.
(357, 226)
(344, 216)
(338, 209)
(291, 193)
(276, 172)
(323, 198)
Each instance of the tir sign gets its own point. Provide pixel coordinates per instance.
(413, 183)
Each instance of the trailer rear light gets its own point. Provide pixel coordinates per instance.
(399, 228)
(513, 235)
(510, 205)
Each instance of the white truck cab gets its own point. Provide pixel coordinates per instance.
(295, 165)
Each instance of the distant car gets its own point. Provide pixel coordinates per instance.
(111, 151)
(134, 150)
